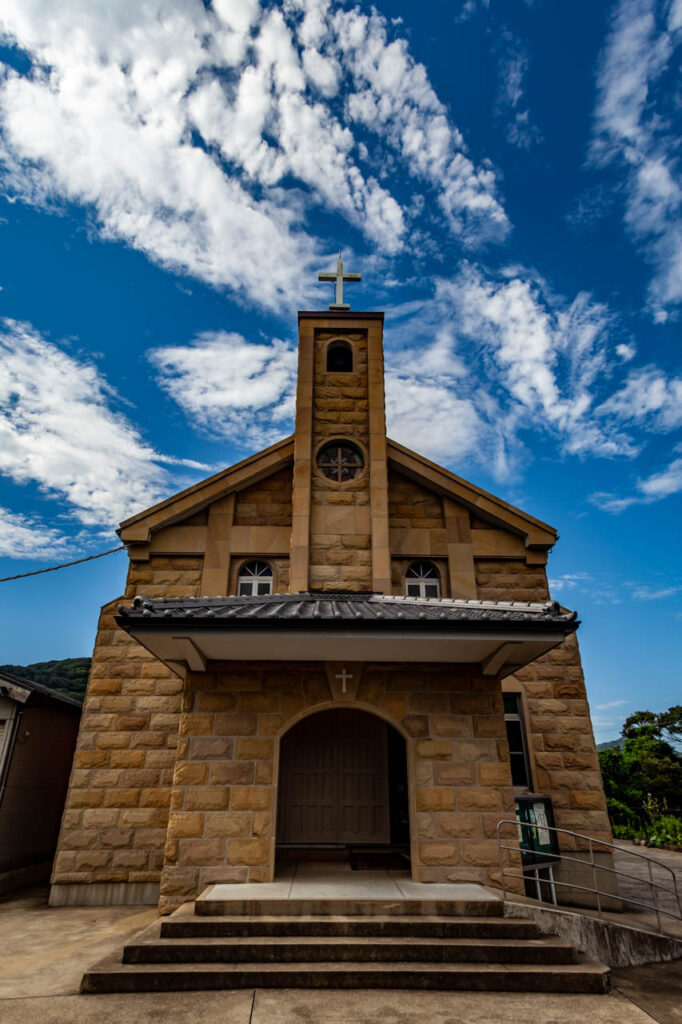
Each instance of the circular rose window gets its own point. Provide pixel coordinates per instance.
(340, 461)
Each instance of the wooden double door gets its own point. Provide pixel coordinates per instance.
(333, 780)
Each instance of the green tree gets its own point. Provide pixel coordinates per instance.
(68, 676)
(647, 771)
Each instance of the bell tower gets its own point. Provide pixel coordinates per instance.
(339, 537)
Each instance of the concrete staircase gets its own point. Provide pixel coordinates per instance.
(345, 943)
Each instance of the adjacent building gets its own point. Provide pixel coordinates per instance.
(38, 730)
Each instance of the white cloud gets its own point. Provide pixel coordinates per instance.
(58, 430)
(200, 134)
(390, 95)
(231, 387)
(547, 353)
(471, 7)
(632, 130)
(649, 593)
(432, 404)
(570, 581)
(513, 68)
(663, 484)
(647, 396)
(23, 537)
(626, 351)
(522, 358)
(599, 722)
(653, 488)
(612, 704)
(426, 415)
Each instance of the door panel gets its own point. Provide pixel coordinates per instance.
(333, 784)
(308, 781)
(363, 779)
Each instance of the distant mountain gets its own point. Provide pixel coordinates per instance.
(68, 676)
(610, 744)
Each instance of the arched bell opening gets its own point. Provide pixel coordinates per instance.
(343, 791)
(339, 357)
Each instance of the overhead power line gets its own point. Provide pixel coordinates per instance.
(64, 565)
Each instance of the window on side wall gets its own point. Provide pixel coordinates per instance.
(422, 579)
(516, 738)
(255, 578)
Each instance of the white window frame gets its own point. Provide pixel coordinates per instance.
(519, 716)
(422, 581)
(254, 580)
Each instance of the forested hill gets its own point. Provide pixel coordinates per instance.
(69, 676)
(610, 744)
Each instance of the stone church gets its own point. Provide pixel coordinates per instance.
(333, 648)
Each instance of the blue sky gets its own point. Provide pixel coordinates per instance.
(504, 174)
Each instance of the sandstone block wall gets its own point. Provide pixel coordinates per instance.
(563, 751)
(222, 824)
(266, 503)
(116, 813)
(417, 530)
(340, 526)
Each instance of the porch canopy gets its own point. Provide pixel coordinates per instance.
(499, 636)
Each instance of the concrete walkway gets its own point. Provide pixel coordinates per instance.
(46, 950)
(637, 887)
(329, 881)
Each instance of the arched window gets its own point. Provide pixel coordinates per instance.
(340, 357)
(340, 461)
(422, 579)
(255, 578)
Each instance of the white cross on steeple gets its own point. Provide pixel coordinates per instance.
(339, 277)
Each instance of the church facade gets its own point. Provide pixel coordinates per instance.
(333, 645)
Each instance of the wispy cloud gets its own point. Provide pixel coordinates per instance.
(570, 581)
(471, 7)
(509, 350)
(24, 537)
(612, 704)
(648, 593)
(231, 387)
(60, 430)
(202, 134)
(600, 722)
(513, 68)
(647, 397)
(632, 129)
(654, 487)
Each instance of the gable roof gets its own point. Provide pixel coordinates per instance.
(536, 534)
(486, 505)
(137, 528)
(20, 688)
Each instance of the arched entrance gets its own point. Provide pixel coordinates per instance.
(342, 785)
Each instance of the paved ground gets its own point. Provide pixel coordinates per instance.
(637, 887)
(45, 951)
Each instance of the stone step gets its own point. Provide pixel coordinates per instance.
(185, 925)
(112, 976)
(154, 950)
(207, 906)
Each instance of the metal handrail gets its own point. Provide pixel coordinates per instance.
(594, 889)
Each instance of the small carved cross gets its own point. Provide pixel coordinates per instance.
(339, 277)
(344, 677)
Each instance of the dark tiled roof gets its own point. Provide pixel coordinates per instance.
(38, 689)
(342, 608)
